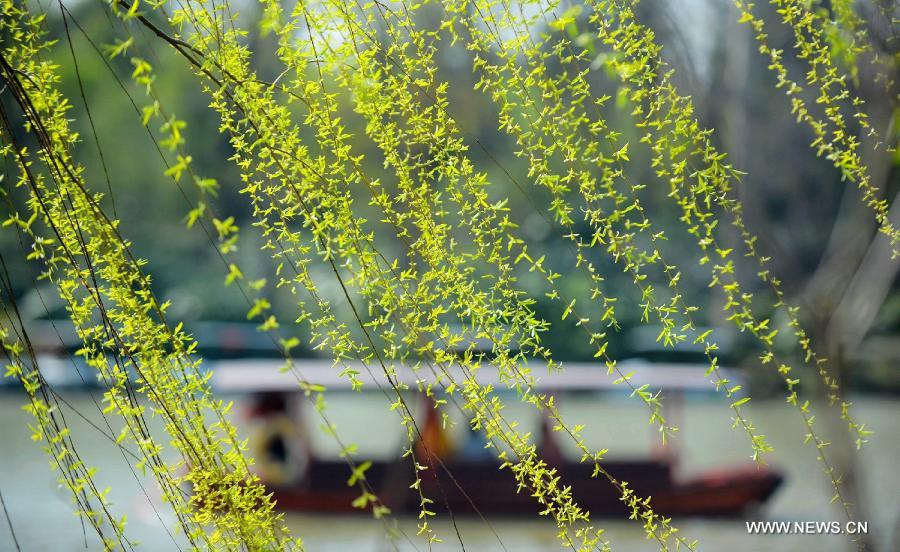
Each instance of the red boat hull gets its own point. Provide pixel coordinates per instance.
(479, 485)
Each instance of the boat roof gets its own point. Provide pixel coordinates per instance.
(271, 375)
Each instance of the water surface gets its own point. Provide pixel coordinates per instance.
(42, 514)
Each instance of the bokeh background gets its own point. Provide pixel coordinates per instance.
(823, 243)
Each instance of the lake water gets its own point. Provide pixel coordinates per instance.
(43, 519)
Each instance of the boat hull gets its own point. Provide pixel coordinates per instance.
(478, 487)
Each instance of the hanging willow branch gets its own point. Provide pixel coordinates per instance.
(436, 293)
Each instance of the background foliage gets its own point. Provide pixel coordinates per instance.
(340, 138)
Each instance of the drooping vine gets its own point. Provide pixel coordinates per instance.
(450, 277)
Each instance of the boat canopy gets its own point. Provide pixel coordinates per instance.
(269, 375)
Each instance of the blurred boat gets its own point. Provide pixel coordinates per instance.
(464, 482)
